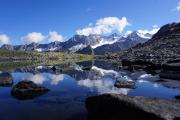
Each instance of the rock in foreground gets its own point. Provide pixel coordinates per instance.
(121, 107)
(5, 79)
(177, 97)
(28, 90)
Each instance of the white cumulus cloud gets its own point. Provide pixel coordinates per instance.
(104, 26)
(33, 37)
(54, 36)
(4, 39)
(178, 6)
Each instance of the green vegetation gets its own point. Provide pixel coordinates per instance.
(16, 59)
(45, 56)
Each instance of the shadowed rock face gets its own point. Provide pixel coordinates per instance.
(28, 90)
(5, 79)
(121, 107)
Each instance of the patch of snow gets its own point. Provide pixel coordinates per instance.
(40, 67)
(53, 49)
(143, 35)
(104, 41)
(39, 50)
(77, 47)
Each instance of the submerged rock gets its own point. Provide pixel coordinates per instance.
(6, 79)
(27, 90)
(121, 107)
(170, 75)
(124, 84)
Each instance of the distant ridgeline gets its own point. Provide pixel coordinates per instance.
(92, 44)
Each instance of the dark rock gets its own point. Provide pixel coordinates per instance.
(177, 97)
(171, 66)
(161, 80)
(86, 68)
(6, 79)
(56, 68)
(126, 62)
(170, 75)
(53, 68)
(124, 84)
(27, 90)
(121, 107)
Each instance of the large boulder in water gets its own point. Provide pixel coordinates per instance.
(28, 90)
(122, 107)
(6, 79)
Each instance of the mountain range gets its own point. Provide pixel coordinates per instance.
(163, 47)
(92, 44)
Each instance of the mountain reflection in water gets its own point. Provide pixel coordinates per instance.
(71, 84)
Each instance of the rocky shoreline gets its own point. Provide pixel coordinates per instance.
(122, 107)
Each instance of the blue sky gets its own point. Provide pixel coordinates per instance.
(18, 18)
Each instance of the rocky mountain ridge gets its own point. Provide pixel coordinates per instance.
(99, 43)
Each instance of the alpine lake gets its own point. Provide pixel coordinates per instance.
(70, 84)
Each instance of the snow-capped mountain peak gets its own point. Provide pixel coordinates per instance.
(146, 36)
(138, 34)
(107, 40)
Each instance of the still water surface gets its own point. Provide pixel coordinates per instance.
(71, 85)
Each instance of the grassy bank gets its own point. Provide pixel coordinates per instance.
(6, 55)
(18, 59)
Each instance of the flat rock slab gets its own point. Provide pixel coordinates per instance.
(28, 90)
(6, 79)
(121, 107)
